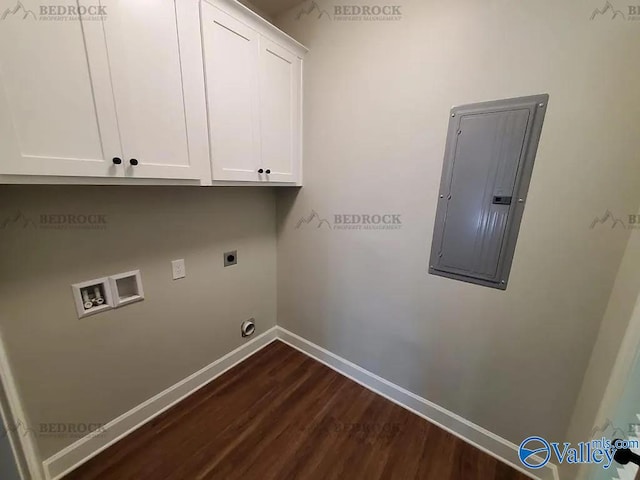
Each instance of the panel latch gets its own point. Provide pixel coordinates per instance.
(499, 200)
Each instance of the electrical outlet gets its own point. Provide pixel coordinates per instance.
(179, 269)
(230, 258)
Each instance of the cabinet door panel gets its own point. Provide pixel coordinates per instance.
(143, 41)
(53, 119)
(231, 53)
(280, 72)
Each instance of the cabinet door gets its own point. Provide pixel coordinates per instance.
(145, 60)
(231, 53)
(56, 107)
(280, 74)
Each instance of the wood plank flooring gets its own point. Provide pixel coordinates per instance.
(282, 415)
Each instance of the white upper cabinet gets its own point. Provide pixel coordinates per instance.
(144, 54)
(56, 109)
(280, 75)
(231, 51)
(253, 88)
(96, 97)
(143, 92)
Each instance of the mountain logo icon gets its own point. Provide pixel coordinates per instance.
(314, 219)
(20, 11)
(18, 220)
(606, 218)
(608, 11)
(20, 428)
(608, 430)
(313, 9)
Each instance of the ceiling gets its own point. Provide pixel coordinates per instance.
(274, 7)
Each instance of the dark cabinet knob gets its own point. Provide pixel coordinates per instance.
(260, 170)
(268, 171)
(133, 162)
(117, 161)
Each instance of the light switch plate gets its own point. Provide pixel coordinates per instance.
(179, 269)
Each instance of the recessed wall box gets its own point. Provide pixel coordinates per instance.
(93, 296)
(230, 258)
(126, 288)
(487, 167)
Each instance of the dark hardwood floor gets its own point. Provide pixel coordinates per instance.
(281, 415)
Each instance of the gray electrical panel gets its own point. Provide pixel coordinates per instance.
(488, 162)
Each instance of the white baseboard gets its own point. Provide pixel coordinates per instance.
(87, 447)
(477, 436)
(79, 452)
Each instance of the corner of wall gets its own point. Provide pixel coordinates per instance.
(612, 354)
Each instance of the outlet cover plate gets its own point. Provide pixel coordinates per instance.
(179, 269)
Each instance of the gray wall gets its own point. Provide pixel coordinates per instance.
(8, 467)
(377, 97)
(614, 352)
(94, 369)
